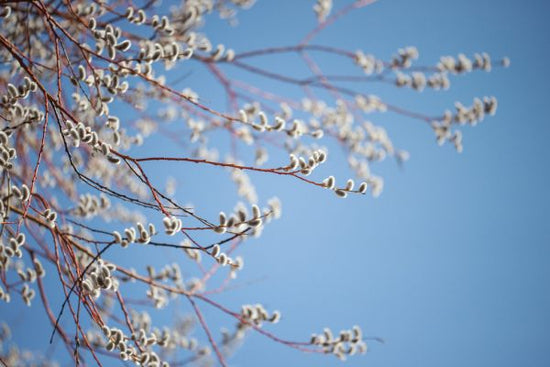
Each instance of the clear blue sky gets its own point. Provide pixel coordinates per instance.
(451, 264)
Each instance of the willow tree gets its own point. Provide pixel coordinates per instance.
(88, 100)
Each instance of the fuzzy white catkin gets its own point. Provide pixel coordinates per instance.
(341, 193)
(330, 182)
(215, 250)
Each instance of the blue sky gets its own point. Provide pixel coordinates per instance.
(450, 264)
